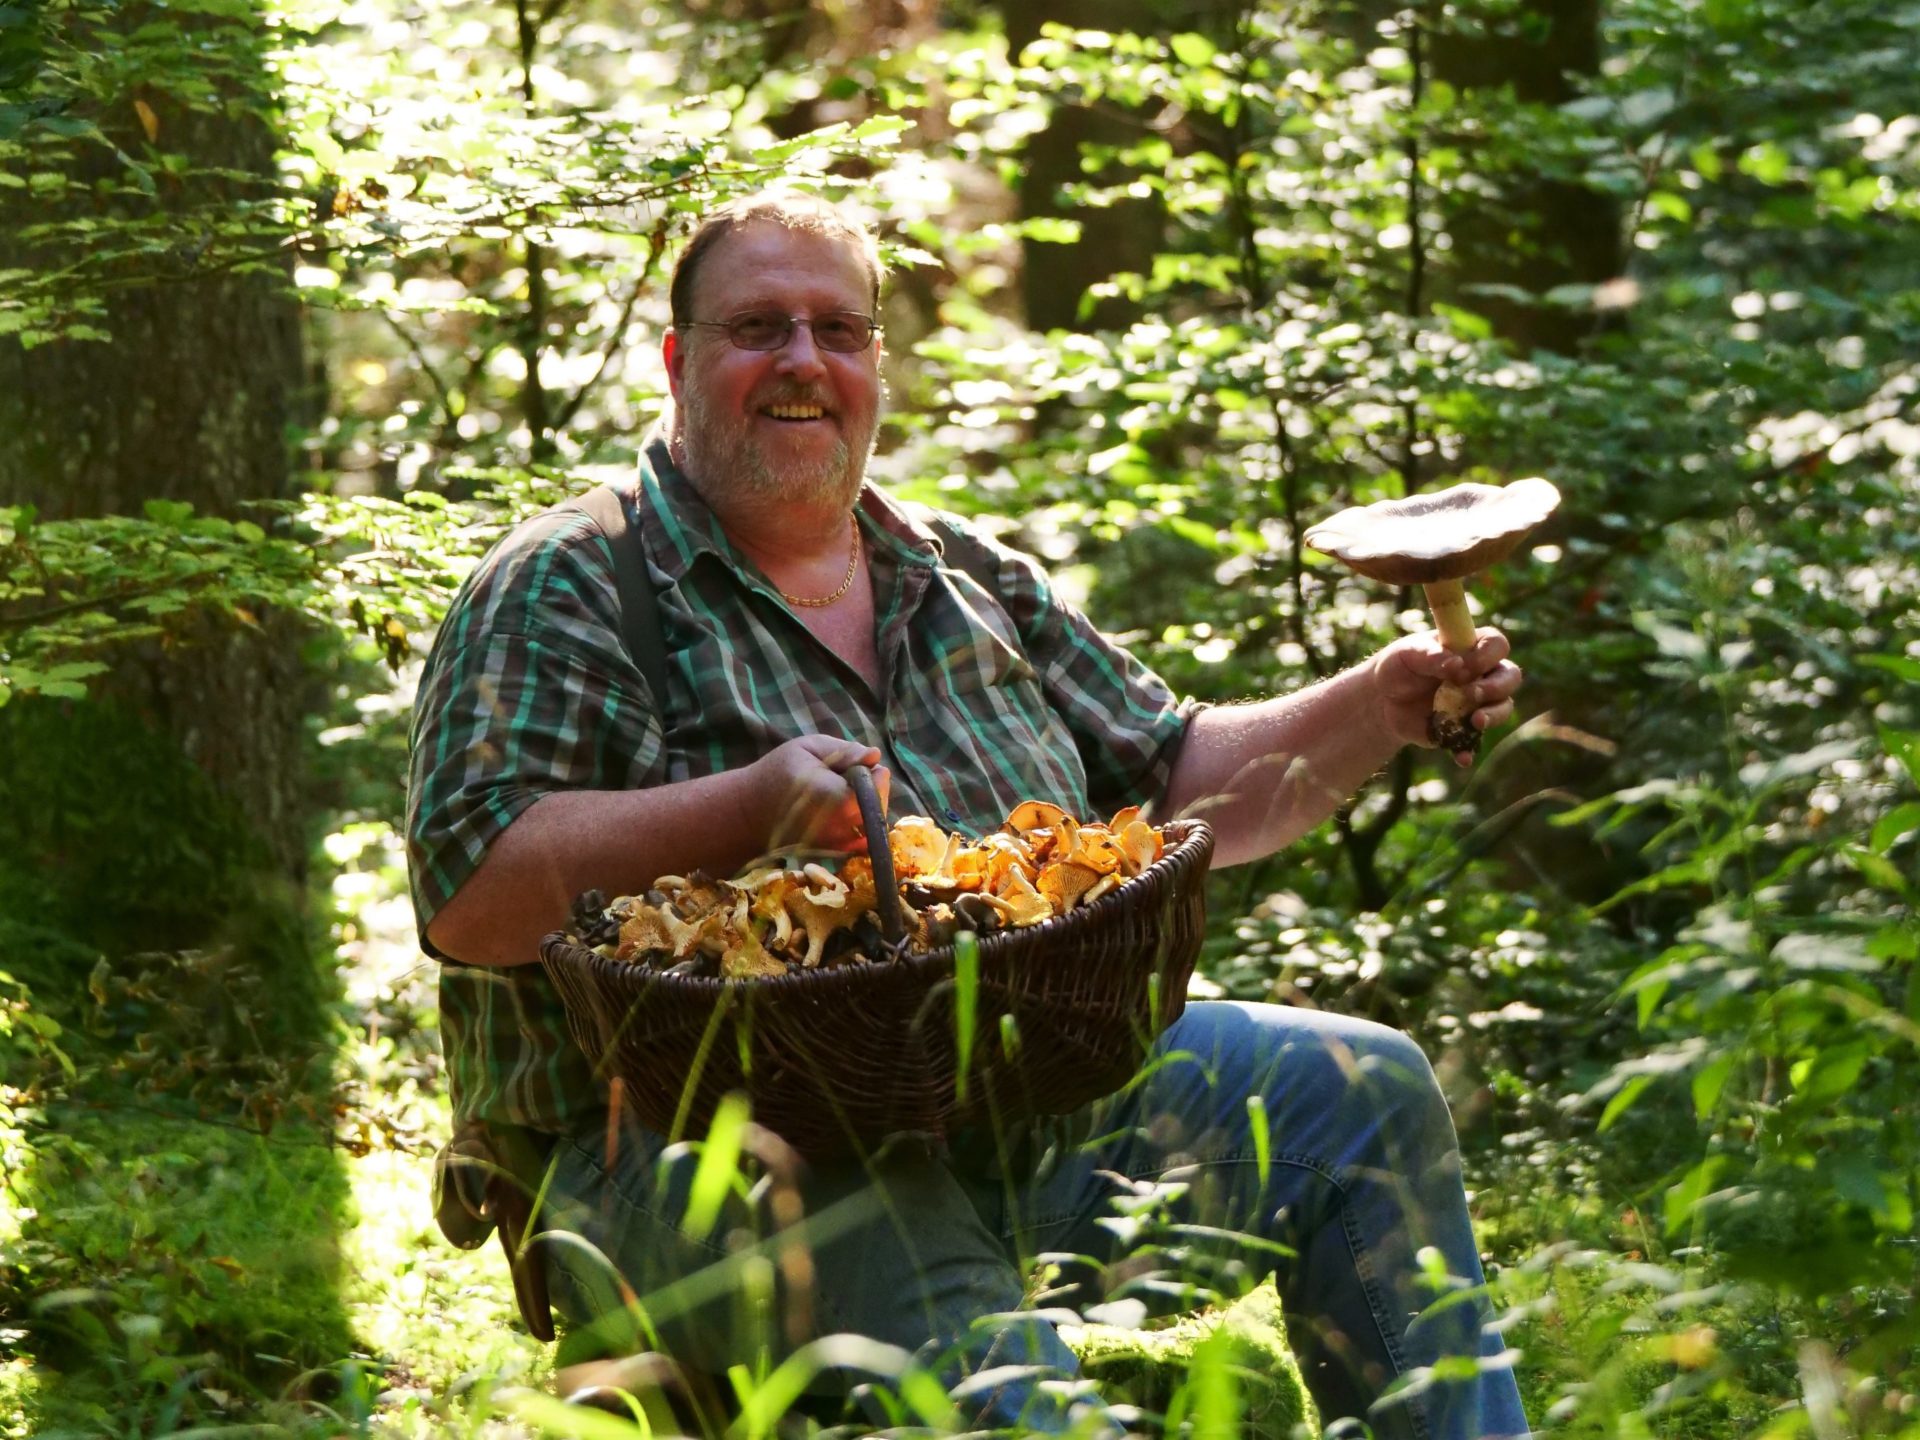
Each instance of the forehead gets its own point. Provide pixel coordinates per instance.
(765, 263)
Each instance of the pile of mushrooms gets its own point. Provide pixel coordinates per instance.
(1438, 541)
(770, 921)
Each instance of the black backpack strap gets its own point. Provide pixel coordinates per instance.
(965, 551)
(639, 606)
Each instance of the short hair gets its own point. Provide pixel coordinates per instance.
(808, 214)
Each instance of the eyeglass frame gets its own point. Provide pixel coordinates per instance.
(792, 322)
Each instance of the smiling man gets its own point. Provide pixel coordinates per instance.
(812, 624)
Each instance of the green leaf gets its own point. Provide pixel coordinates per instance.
(1904, 746)
(1826, 954)
(1764, 774)
(1856, 1178)
(1048, 230)
(1191, 49)
(1903, 666)
(1876, 868)
(1670, 639)
(1465, 322)
(1897, 822)
(718, 1168)
(927, 1397)
(966, 1002)
(1665, 202)
(1261, 1129)
(1621, 1101)
(878, 127)
(70, 127)
(168, 512)
(1709, 1083)
(1766, 162)
(1648, 107)
(1830, 1073)
(1684, 1198)
(74, 670)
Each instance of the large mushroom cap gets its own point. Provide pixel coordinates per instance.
(1445, 535)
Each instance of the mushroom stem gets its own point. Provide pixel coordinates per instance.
(1450, 726)
(1448, 601)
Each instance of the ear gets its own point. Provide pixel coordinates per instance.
(676, 361)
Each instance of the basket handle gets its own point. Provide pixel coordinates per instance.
(873, 819)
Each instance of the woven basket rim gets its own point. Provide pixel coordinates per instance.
(1195, 834)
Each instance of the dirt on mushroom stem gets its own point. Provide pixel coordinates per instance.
(1450, 722)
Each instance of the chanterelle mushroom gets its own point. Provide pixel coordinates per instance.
(1437, 541)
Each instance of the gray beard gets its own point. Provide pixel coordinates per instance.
(725, 463)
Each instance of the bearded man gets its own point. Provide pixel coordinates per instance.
(812, 624)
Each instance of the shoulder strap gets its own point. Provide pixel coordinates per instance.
(965, 551)
(639, 606)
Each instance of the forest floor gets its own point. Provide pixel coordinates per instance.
(271, 1262)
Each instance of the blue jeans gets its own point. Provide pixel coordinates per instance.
(1357, 1207)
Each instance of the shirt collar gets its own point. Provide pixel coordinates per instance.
(687, 525)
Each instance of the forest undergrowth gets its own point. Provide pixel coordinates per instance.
(207, 1231)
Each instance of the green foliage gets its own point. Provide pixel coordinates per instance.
(144, 855)
(74, 588)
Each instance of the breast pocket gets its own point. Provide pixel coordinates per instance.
(986, 662)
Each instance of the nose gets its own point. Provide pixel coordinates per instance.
(800, 356)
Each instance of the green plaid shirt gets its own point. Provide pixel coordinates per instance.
(991, 698)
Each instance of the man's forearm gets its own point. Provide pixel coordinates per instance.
(617, 841)
(1263, 775)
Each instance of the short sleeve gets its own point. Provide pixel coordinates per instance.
(527, 690)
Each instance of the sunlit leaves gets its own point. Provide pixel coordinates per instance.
(72, 588)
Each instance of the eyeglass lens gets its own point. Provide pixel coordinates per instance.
(839, 330)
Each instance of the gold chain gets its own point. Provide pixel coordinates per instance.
(846, 583)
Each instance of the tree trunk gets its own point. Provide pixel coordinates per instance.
(1125, 236)
(1533, 233)
(191, 400)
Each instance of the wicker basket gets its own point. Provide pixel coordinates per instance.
(836, 1059)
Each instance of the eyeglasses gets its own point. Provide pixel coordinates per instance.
(845, 332)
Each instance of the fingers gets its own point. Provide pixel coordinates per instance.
(1425, 656)
(1493, 703)
(1487, 653)
(839, 755)
(1501, 682)
(807, 795)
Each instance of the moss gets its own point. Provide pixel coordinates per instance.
(170, 1270)
(1240, 1351)
(129, 845)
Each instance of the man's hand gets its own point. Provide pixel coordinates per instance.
(1407, 672)
(803, 791)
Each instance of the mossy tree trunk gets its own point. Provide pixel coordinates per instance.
(1529, 230)
(191, 399)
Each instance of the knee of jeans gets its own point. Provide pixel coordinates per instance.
(1352, 1064)
(1397, 1075)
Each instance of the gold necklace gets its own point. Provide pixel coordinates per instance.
(846, 582)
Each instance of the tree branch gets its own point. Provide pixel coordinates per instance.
(656, 242)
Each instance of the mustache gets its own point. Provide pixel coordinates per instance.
(795, 395)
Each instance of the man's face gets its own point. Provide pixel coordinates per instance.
(795, 423)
